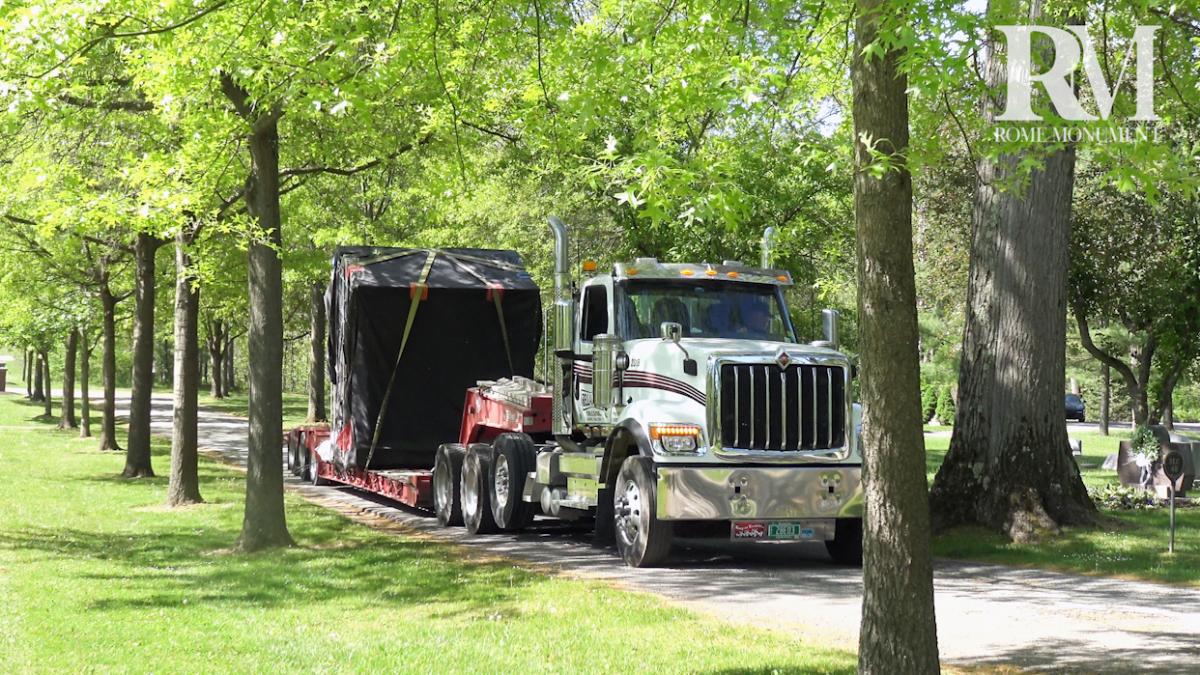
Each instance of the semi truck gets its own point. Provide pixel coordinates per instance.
(675, 399)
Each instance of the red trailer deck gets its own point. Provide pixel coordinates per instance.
(490, 409)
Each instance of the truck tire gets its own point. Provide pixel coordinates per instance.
(846, 548)
(513, 457)
(642, 539)
(447, 484)
(474, 490)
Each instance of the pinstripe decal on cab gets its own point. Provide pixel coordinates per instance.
(645, 380)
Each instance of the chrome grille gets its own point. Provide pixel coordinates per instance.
(765, 407)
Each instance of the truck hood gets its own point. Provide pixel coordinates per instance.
(701, 349)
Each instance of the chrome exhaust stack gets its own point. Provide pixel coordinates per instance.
(768, 246)
(564, 316)
(564, 328)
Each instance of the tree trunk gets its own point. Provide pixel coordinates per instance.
(85, 373)
(215, 341)
(25, 370)
(264, 524)
(67, 421)
(184, 486)
(48, 399)
(1105, 397)
(898, 632)
(316, 363)
(1009, 467)
(137, 455)
(228, 382)
(39, 374)
(108, 368)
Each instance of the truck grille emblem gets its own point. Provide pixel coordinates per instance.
(783, 360)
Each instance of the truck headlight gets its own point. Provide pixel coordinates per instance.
(676, 439)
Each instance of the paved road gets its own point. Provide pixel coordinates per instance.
(987, 614)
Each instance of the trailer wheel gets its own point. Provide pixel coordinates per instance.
(846, 548)
(447, 484)
(313, 476)
(642, 539)
(476, 477)
(293, 447)
(513, 457)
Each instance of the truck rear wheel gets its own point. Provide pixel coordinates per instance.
(642, 539)
(474, 489)
(846, 548)
(513, 457)
(447, 484)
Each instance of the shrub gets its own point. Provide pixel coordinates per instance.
(929, 401)
(945, 405)
(1123, 498)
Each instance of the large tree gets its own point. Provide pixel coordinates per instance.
(1009, 467)
(898, 631)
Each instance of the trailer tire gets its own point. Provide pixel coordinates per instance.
(293, 452)
(642, 539)
(313, 476)
(846, 547)
(474, 490)
(513, 457)
(447, 484)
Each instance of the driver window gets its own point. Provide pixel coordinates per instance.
(595, 313)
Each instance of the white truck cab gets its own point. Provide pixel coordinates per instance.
(684, 396)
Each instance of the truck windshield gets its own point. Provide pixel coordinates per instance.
(705, 309)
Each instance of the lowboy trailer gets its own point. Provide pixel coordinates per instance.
(680, 400)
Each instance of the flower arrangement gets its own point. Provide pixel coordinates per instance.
(1145, 450)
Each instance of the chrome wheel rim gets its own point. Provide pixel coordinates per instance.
(442, 489)
(470, 489)
(628, 513)
(501, 481)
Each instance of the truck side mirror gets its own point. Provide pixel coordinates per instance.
(829, 326)
(670, 330)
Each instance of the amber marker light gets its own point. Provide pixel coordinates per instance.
(710, 272)
(686, 273)
(589, 265)
(676, 438)
(631, 271)
(731, 275)
(657, 431)
(782, 277)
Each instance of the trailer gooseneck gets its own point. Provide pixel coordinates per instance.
(680, 399)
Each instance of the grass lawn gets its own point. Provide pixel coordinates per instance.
(295, 406)
(1128, 543)
(95, 574)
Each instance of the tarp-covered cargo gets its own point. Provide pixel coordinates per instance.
(478, 316)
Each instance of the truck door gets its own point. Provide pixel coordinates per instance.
(594, 319)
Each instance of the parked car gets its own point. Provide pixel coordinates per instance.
(1075, 408)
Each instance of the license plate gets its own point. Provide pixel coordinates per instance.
(774, 530)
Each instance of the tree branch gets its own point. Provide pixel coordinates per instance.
(1122, 368)
(134, 105)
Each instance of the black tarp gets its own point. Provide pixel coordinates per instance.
(455, 340)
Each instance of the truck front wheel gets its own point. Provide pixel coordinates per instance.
(846, 548)
(474, 489)
(447, 484)
(642, 539)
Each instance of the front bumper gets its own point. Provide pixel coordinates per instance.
(734, 493)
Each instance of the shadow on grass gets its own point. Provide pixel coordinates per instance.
(167, 569)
